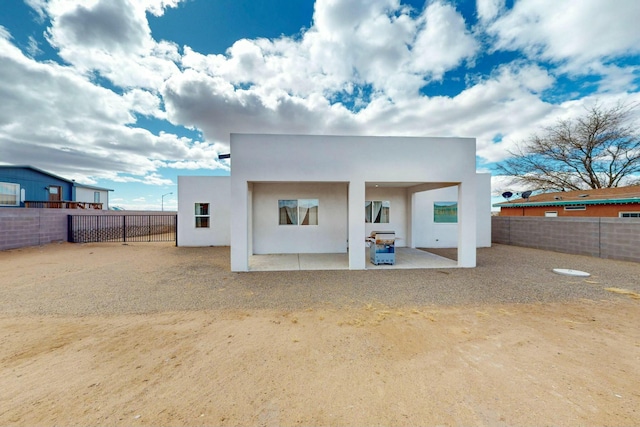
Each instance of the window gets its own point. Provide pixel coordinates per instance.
(551, 214)
(629, 214)
(202, 215)
(9, 194)
(96, 197)
(298, 212)
(575, 208)
(445, 212)
(376, 211)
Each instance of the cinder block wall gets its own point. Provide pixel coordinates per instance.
(20, 227)
(615, 238)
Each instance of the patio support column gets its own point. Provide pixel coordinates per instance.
(411, 209)
(467, 224)
(356, 225)
(239, 225)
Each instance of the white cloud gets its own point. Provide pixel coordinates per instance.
(52, 116)
(577, 33)
(443, 43)
(488, 10)
(112, 37)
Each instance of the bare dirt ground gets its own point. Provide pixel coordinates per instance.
(150, 334)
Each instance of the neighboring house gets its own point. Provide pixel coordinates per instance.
(623, 202)
(326, 194)
(26, 186)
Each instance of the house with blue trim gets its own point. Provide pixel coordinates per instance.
(30, 187)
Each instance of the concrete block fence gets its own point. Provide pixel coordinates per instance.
(614, 238)
(20, 227)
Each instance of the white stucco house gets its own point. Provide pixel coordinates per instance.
(325, 194)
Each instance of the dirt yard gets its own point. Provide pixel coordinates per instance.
(81, 345)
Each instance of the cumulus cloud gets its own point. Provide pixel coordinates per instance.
(53, 116)
(574, 33)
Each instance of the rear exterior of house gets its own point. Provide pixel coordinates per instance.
(26, 186)
(617, 202)
(326, 194)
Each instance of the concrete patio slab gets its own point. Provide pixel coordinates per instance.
(405, 258)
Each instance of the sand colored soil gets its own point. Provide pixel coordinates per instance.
(566, 363)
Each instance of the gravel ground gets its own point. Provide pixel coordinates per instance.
(106, 279)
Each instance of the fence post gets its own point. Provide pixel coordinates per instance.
(124, 228)
(70, 229)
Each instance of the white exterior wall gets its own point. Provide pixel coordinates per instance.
(214, 190)
(428, 234)
(329, 236)
(356, 160)
(86, 195)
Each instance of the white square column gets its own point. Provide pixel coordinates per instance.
(357, 231)
(467, 224)
(239, 225)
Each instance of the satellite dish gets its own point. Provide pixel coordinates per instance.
(526, 194)
(507, 195)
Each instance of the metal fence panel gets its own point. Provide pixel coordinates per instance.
(122, 228)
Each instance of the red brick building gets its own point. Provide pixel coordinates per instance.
(621, 202)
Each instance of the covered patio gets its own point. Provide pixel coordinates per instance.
(406, 258)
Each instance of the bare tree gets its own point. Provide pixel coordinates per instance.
(597, 150)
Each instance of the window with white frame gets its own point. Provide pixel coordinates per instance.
(9, 194)
(298, 212)
(629, 214)
(551, 214)
(377, 211)
(96, 197)
(202, 215)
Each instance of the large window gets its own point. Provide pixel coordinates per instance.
(298, 212)
(202, 215)
(9, 194)
(445, 212)
(629, 214)
(376, 211)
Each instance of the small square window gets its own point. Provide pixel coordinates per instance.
(202, 215)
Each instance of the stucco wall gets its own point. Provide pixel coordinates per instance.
(214, 190)
(358, 161)
(329, 236)
(428, 234)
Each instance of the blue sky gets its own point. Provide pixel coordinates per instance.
(130, 94)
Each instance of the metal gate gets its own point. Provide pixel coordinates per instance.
(122, 228)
